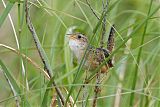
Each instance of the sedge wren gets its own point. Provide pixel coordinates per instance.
(94, 56)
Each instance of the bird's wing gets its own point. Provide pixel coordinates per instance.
(106, 54)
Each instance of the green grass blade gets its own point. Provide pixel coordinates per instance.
(45, 99)
(89, 23)
(14, 85)
(10, 77)
(6, 12)
(138, 59)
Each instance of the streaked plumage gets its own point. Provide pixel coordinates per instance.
(94, 57)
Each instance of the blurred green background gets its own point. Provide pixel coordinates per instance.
(135, 63)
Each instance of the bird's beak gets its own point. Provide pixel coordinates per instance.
(71, 36)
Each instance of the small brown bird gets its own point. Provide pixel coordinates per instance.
(94, 57)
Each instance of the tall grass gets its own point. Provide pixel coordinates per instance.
(52, 19)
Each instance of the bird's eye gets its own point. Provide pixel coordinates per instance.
(79, 36)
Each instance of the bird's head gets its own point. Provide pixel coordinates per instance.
(77, 41)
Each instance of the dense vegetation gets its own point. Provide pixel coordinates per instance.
(134, 80)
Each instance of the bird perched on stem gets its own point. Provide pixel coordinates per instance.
(94, 56)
